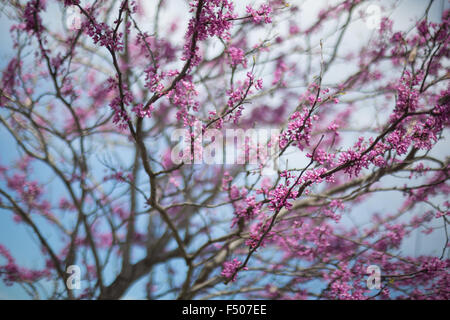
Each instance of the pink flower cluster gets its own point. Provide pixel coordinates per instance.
(245, 210)
(236, 96)
(141, 112)
(408, 96)
(214, 19)
(30, 192)
(299, 129)
(119, 176)
(184, 97)
(9, 79)
(12, 273)
(359, 157)
(104, 35)
(33, 22)
(237, 56)
(280, 70)
(322, 157)
(257, 231)
(279, 197)
(260, 15)
(71, 2)
(230, 269)
(121, 117)
(153, 79)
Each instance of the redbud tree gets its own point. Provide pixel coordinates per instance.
(356, 104)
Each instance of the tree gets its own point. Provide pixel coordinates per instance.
(120, 120)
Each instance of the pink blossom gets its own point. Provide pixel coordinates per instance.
(230, 269)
